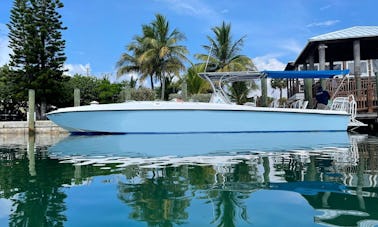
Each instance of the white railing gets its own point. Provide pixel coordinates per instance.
(219, 96)
(349, 105)
(299, 104)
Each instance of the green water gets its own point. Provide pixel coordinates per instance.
(332, 184)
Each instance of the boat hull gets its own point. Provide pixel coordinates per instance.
(186, 119)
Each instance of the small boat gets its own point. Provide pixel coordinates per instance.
(218, 116)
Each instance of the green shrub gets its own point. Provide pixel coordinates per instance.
(142, 94)
(174, 96)
(200, 97)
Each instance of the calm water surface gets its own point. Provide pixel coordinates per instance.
(290, 179)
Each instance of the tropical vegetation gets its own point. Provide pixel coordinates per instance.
(239, 91)
(223, 54)
(37, 58)
(279, 84)
(105, 91)
(156, 53)
(195, 84)
(5, 87)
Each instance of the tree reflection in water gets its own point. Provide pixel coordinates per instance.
(34, 183)
(37, 200)
(159, 200)
(160, 197)
(228, 201)
(227, 206)
(340, 186)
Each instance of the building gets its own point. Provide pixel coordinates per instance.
(354, 48)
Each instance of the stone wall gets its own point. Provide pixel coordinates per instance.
(21, 127)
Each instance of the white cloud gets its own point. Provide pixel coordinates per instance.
(3, 30)
(4, 51)
(4, 42)
(268, 62)
(325, 7)
(191, 7)
(224, 11)
(274, 93)
(292, 46)
(323, 23)
(77, 69)
(128, 76)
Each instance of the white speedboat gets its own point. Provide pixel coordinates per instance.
(218, 116)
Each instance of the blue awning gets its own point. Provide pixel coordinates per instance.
(252, 75)
(304, 74)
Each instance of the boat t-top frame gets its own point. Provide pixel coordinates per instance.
(216, 79)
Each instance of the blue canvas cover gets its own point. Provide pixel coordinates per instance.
(304, 74)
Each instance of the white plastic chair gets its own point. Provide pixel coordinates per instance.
(304, 105)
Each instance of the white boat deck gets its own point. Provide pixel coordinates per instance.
(165, 105)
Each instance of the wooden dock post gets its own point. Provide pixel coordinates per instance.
(76, 97)
(369, 96)
(308, 92)
(31, 120)
(376, 84)
(264, 92)
(31, 154)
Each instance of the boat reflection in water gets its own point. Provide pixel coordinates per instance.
(230, 168)
(300, 179)
(185, 145)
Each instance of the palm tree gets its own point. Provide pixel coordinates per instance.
(162, 52)
(239, 91)
(195, 84)
(223, 54)
(280, 84)
(132, 62)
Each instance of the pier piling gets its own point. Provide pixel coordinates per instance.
(31, 118)
(76, 97)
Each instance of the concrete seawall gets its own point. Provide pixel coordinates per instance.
(21, 127)
(22, 140)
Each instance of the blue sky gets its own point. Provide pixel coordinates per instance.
(276, 30)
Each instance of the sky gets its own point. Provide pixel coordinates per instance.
(276, 31)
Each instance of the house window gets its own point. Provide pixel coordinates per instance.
(375, 65)
(301, 67)
(337, 66)
(363, 68)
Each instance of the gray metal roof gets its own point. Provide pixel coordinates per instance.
(349, 33)
(340, 45)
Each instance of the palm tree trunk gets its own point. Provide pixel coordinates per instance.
(152, 82)
(162, 87)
